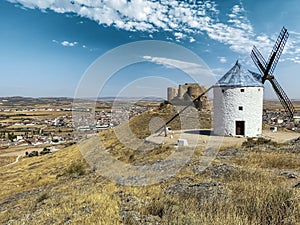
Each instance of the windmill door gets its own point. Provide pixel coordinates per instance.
(240, 127)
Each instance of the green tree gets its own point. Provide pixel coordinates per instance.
(11, 136)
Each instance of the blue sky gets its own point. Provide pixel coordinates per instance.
(46, 46)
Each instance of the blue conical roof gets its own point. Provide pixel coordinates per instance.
(240, 77)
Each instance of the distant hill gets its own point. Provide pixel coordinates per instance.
(28, 101)
(131, 98)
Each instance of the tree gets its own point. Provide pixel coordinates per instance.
(45, 151)
(33, 153)
(11, 136)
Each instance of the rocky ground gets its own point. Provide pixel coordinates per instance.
(255, 181)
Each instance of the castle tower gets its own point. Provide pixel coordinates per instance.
(238, 103)
(172, 93)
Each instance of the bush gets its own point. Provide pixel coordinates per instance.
(45, 151)
(33, 153)
(42, 197)
(11, 137)
(156, 207)
(76, 168)
(251, 142)
(163, 104)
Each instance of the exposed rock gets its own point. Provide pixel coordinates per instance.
(231, 152)
(135, 217)
(295, 142)
(288, 174)
(220, 170)
(67, 220)
(296, 185)
(129, 200)
(130, 217)
(203, 191)
(129, 213)
(86, 209)
(292, 146)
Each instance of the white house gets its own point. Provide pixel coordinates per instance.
(238, 103)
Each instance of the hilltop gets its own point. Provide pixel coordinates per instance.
(251, 183)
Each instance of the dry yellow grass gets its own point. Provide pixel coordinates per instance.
(46, 191)
(5, 160)
(15, 117)
(60, 188)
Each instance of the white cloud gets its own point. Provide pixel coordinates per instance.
(179, 35)
(171, 62)
(68, 44)
(180, 17)
(188, 67)
(295, 59)
(185, 19)
(222, 59)
(237, 9)
(192, 40)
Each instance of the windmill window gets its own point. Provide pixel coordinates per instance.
(258, 89)
(241, 108)
(242, 90)
(223, 90)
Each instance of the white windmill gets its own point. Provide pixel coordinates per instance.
(238, 103)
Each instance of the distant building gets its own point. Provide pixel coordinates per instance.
(279, 120)
(238, 103)
(296, 118)
(185, 93)
(273, 129)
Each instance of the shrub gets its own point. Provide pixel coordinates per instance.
(156, 207)
(45, 151)
(42, 197)
(76, 168)
(33, 153)
(251, 142)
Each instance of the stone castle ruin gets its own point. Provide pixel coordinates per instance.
(185, 93)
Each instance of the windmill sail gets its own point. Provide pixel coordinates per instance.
(285, 101)
(277, 50)
(190, 104)
(267, 69)
(259, 60)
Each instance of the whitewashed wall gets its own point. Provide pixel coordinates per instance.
(226, 110)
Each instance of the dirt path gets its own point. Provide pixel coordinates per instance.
(280, 136)
(203, 137)
(20, 152)
(17, 160)
(196, 137)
